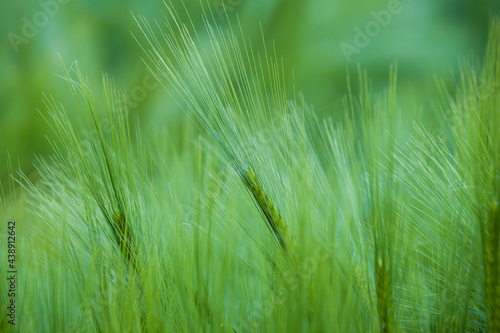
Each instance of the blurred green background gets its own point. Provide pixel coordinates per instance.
(425, 37)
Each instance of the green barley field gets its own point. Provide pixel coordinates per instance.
(250, 166)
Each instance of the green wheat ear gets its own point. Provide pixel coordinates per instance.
(274, 219)
(491, 248)
(125, 239)
(384, 295)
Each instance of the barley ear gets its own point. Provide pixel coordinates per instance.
(124, 239)
(384, 297)
(274, 219)
(491, 247)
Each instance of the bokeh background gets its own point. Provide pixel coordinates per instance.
(427, 39)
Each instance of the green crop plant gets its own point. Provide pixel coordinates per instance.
(272, 219)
